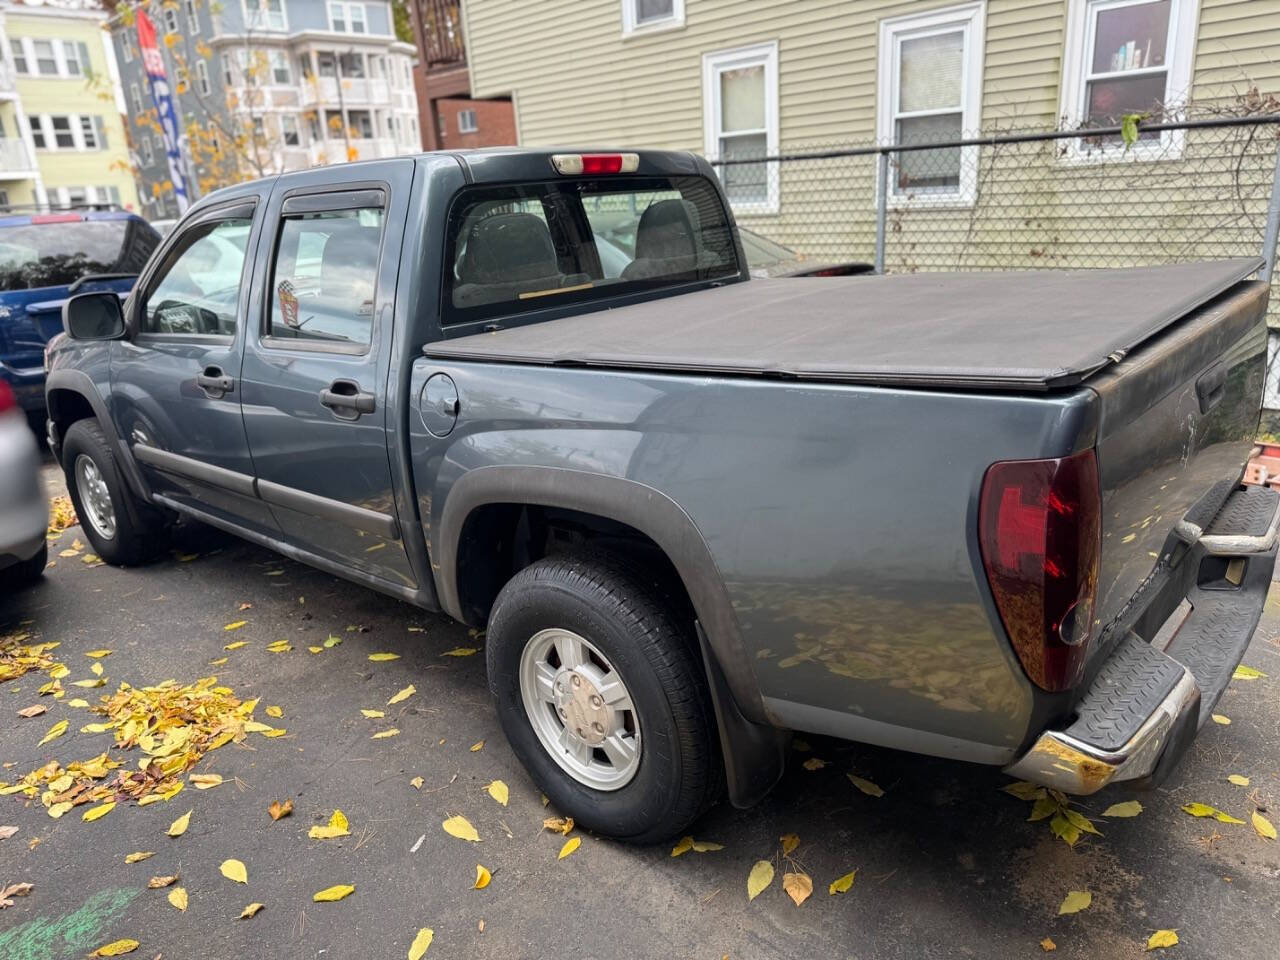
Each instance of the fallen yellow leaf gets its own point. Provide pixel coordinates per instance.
(570, 845)
(866, 786)
(483, 876)
(58, 809)
(404, 694)
(1161, 939)
(1262, 826)
(237, 645)
(383, 657)
(77, 702)
(179, 826)
(799, 886)
(1246, 673)
(219, 662)
(842, 884)
(813, 763)
(315, 649)
(204, 781)
(332, 894)
(95, 669)
(236, 625)
(178, 897)
(116, 948)
(139, 856)
(338, 827)
(157, 883)
(759, 878)
(99, 811)
(418, 949)
(57, 730)
(1076, 901)
(373, 714)
(1204, 810)
(89, 684)
(498, 790)
(383, 734)
(460, 827)
(705, 846)
(460, 652)
(416, 783)
(98, 654)
(250, 910)
(278, 809)
(1047, 945)
(1238, 780)
(789, 842)
(561, 825)
(234, 870)
(1130, 808)
(1219, 718)
(683, 846)
(477, 747)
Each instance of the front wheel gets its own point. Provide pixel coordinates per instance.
(601, 694)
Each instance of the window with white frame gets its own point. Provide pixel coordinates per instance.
(46, 61)
(289, 130)
(89, 132)
(929, 90)
(644, 16)
(148, 152)
(135, 98)
(76, 56)
(265, 14)
(740, 119)
(467, 121)
(36, 128)
(228, 70)
(171, 20)
(63, 138)
(126, 46)
(1125, 57)
(193, 18)
(202, 78)
(347, 18)
(19, 55)
(279, 67)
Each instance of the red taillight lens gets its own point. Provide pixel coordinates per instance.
(7, 400)
(601, 163)
(1039, 528)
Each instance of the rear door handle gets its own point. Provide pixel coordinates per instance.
(214, 382)
(1211, 386)
(347, 400)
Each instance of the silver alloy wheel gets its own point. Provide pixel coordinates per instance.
(580, 709)
(95, 497)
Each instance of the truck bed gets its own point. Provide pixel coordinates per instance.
(933, 329)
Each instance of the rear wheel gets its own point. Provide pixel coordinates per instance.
(601, 694)
(121, 528)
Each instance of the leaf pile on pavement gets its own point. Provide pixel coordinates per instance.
(174, 725)
(18, 657)
(1053, 805)
(61, 515)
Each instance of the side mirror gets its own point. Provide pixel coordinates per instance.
(93, 316)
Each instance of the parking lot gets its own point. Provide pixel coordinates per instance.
(947, 864)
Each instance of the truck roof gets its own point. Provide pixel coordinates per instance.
(1054, 328)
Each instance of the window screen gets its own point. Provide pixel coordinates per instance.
(325, 276)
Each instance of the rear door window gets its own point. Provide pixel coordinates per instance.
(519, 248)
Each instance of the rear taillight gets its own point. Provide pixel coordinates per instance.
(593, 164)
(1039, 528)
(7, 400)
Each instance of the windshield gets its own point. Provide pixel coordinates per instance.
(518, 249)
(59, 253)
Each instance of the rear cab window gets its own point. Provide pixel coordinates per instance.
(519, 248)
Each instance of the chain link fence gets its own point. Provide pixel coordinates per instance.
(1167, 193)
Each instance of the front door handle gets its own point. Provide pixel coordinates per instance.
(347, 400)
(214, 382)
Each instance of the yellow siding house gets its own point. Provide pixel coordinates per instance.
(62, 139)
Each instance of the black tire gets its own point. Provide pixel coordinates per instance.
(624, 614)
(27, 572)
(140, 529)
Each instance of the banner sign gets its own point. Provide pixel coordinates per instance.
(153, 63)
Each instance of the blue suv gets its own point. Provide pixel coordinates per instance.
(45, 258)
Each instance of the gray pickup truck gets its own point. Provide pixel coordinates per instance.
(993, 517)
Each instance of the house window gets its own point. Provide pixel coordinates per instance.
(1125, 57)
(126, 46)
(930, 91)
(356, 17)
(77, 196)
(645, 16)
(46, 63)
(304, 66)
(148, 153)
(19, 55)
(88, 133)
(71, 53)
(135, 97)
(63, 138)
(264, 14)
(228, 71)
(313, 127)
(202, 78)
(170, 20)
(193, 18)
(360, 123)
(279, 67)
(289, 130)
(326, 64)
(467, 121)
(347, 18)
(740, 119)
(36, 126)
(352, 65)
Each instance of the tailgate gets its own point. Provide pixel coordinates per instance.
(1177, 421)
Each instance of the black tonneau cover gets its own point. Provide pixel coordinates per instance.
(1025, 330)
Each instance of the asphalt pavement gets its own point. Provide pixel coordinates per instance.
(947, 864)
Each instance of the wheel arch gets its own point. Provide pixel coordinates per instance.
(70, 396)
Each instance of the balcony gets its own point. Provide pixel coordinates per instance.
(15, 161)
(323, 92)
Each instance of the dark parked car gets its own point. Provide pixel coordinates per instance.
(686, 504)
(46, 257)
